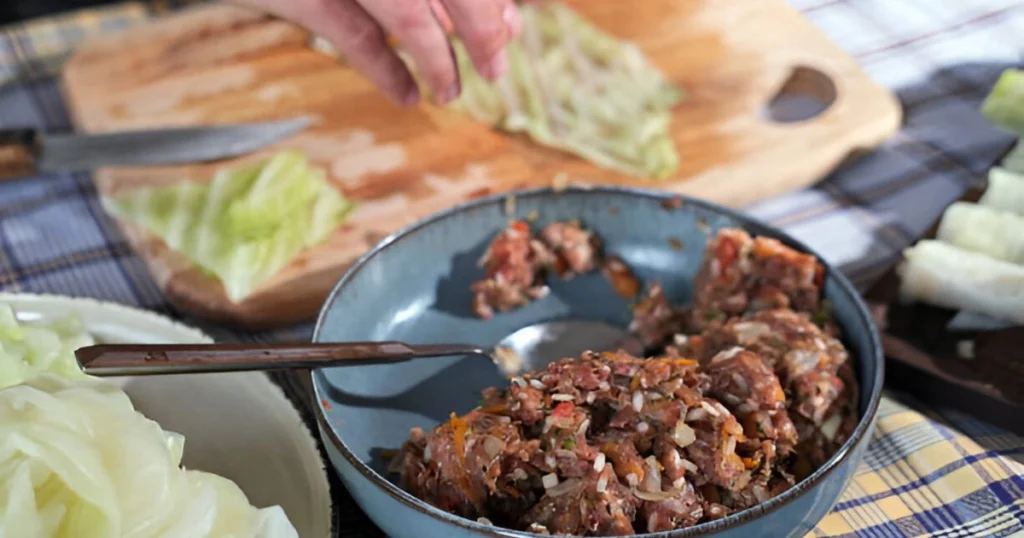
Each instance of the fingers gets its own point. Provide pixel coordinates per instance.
(510, 14)
(414, 25)
(359, 28)
(361, 41)
(485, 26)
(441, 15)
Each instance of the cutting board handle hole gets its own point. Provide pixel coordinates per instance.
(806, 94)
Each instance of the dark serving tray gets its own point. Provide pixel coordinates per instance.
(924, 358)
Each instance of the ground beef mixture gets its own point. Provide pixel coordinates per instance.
(516, 264)
(725, 413)
(743, 274)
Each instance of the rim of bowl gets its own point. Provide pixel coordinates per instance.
(866, 422)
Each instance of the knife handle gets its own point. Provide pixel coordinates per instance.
(19, 149)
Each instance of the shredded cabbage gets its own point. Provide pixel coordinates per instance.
(27, 350)
(575, 88)
(77, 460)
(244, 226)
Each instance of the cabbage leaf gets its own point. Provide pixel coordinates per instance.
(574, 87)
(244, 226)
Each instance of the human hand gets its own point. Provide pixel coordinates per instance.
(359, 29)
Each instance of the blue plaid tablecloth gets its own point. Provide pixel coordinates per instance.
(929, 472)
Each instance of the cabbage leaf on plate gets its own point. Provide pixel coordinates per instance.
(244, 226)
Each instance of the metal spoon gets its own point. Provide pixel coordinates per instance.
(532, 348)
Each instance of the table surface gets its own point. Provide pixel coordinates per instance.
(928, 472)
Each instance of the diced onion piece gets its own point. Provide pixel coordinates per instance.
(600, 461)
(710, 409)
(652, 476)
(730, 446)
(549, 480)
(638, 401)
(683, 434)
(830, 427)
(563, 487)
(655, 496)
(695, 414)
(725, 354)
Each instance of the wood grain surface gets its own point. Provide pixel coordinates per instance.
(220, 64)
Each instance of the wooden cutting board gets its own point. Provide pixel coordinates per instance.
(219, 63)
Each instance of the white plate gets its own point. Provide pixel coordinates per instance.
(238, 425)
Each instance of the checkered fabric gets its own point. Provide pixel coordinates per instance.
(929, 472)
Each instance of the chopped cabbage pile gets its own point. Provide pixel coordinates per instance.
(573, 87)
(78, 461)
(244, 226)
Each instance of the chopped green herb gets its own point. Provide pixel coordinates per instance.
(823, 314)
(569, 444)
(712, 315)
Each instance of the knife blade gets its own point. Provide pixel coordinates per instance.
(25, 151)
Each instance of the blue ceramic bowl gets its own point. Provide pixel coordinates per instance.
(414, 287)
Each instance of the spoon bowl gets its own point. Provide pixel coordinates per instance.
(538, 345)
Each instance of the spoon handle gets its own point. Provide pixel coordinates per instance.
(105, 360)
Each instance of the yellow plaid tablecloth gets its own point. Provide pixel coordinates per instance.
(927, 473)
